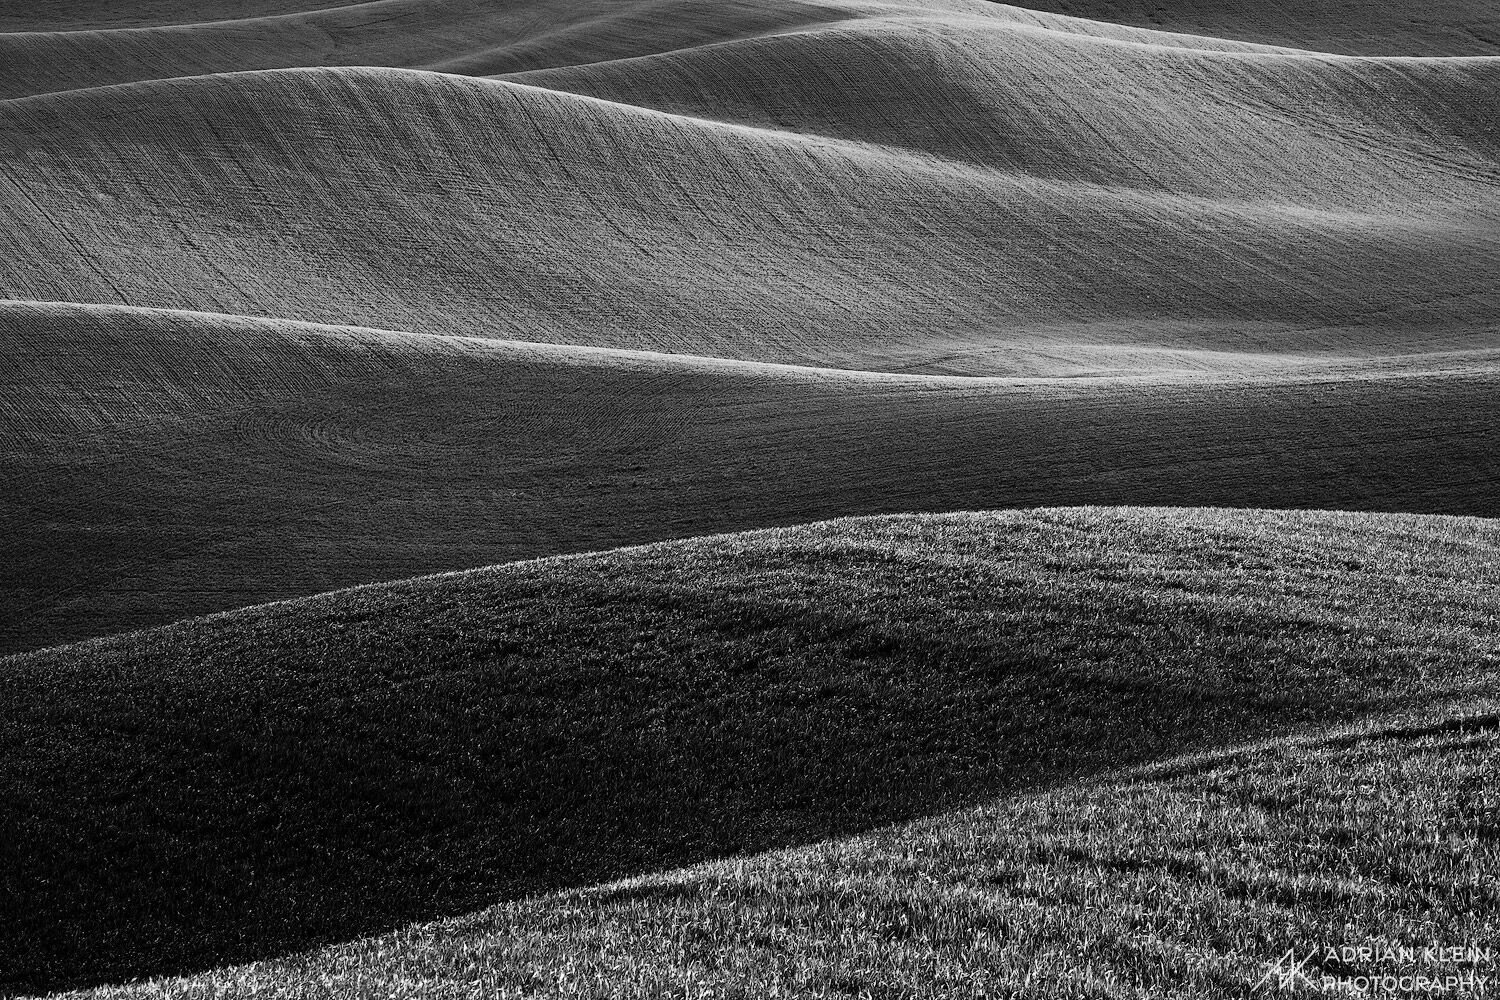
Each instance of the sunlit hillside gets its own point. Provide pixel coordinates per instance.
(874, 498)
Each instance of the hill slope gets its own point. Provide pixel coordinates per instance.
(108, 48)
(77, 47)
(1191, 877)
(956, 188)
(1356, 27)
(53, 45)
(932, 191)
(301, 295)
(163, 465)
(233, 786)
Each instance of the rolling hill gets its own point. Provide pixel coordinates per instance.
(1356, 27)
(1137, 362)
(163, 465)
(1190, 876)
(53, 45)
(1009, 197)
(230, 787)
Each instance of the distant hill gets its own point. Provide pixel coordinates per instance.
(162, 465)
(1354, 27)
(1245, 274)
(885, 195)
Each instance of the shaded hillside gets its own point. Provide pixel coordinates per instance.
(234, 786)
(164, 465)
(1191, 877)
(1356, 27)
(295, 296)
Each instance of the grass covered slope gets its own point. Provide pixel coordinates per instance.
(166, 465)
(231, 787)
(773, 210)
(1186, 878)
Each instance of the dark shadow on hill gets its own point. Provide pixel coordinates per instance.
(233, 788)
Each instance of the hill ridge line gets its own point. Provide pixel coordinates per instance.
(1226, 46)
(1006, 17)
(747, 535)
(177, 25)
(926, 160)
(1298, 368)
(337, 331)
(1017, 20)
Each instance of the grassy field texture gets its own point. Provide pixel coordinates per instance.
(297, 295)
(228, 788)
(165, 465)
(1183, 879)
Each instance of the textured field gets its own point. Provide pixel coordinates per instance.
(1183, 270)
(229, 788)
(164, 464)
(949, 193)
(1357, 27)
(298, 295)
(1186, 878)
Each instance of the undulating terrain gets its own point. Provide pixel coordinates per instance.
(1193, 303)
(317, 769)
(1188, 271)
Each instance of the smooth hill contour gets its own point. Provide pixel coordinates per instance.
(163, 465)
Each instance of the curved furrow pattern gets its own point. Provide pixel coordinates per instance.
(162, 465)
(1361, 27)
(296, 296)
(438, 204)
(85, 15)
(1257, 127)
(447, 35)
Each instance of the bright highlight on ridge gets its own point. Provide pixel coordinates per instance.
(820, 498)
